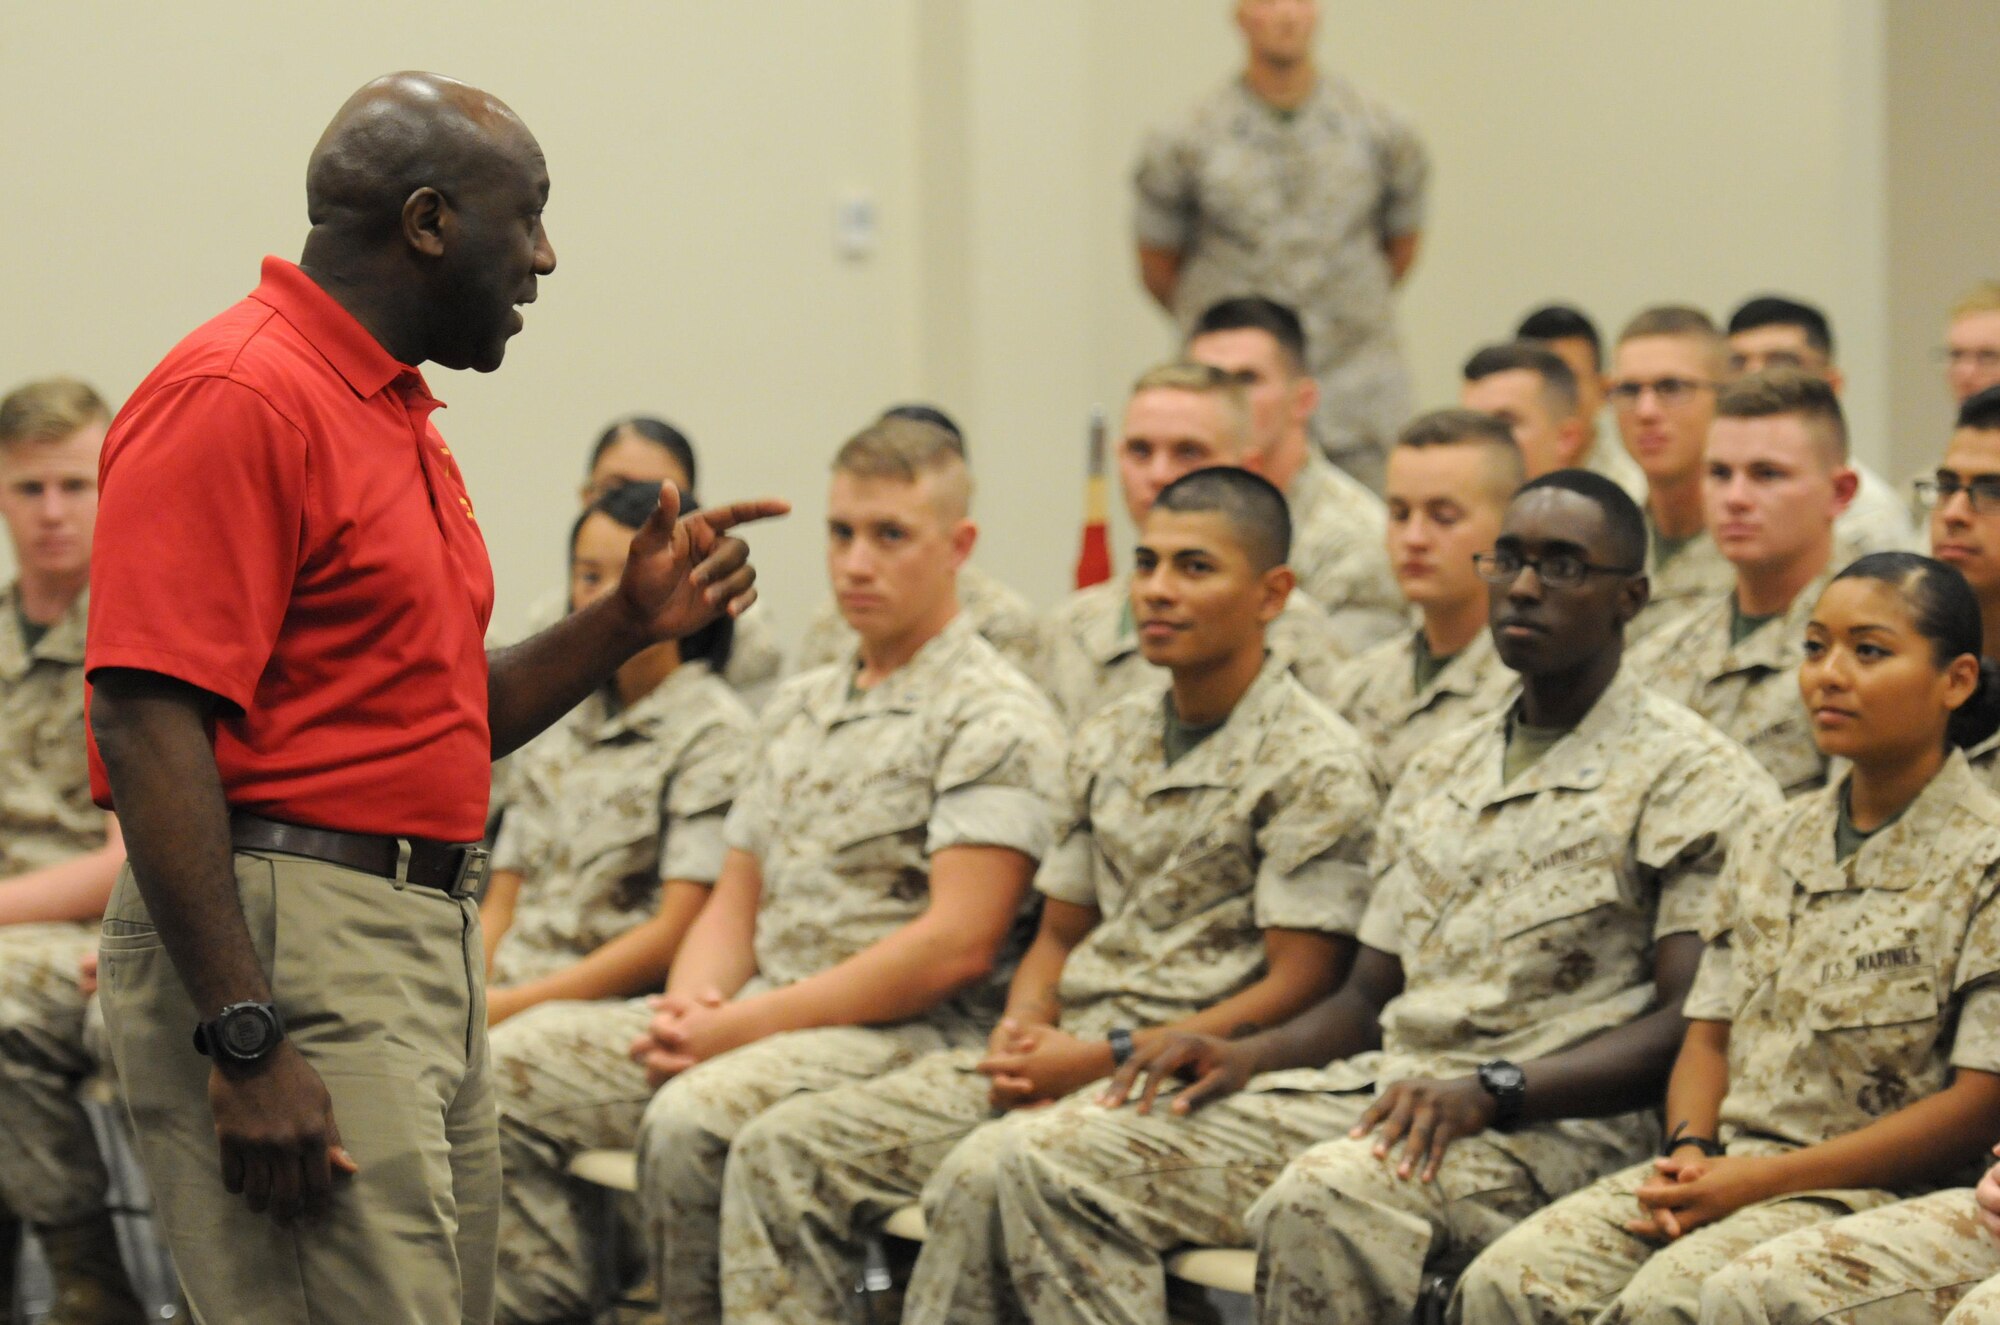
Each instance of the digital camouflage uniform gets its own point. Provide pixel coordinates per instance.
(50, 1172)
(1695, 575)
(1524, 917)
(1878, 519)
(1265, 825)
(1985, 760)
(1377, 692)
(1852, 990)
(1749, 690)
(1090, 650)
(1608, 456)
(1001, 616)
(611, 804)
(1297, 206)
(1338, 531)
(850, 797)
(608, 806)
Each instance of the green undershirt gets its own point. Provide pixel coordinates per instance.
(1179, 738)
(1666, 548)
(32, 632)
(1742, 627)
(1428, 665)
(1847, 839)
(1526, 745)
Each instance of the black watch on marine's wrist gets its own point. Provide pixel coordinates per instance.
(242, 1034)
(1508, 1085)
(1120, 1041)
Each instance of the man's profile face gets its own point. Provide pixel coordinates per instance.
(1767, 491)
(1277, 392)
(892, 552)
(48, 498)
(1665, 426)
(497, 249)
(1196, 595)
(1543, 629)
(1581, 356)
(1779, 345)
(1972, 354)
(1962, 536)
(1279, 31)
(1168, 433)
(1443, 511)
(1519, 398)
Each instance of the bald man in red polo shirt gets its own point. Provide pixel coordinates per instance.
(294, 714)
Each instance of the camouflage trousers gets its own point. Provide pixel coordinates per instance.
(50, 1172)
(1913, 1262)
(1088, 1201)
(566, 1084)
(1575, 1262)
(690, 1126)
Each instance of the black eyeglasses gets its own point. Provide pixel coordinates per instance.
(1565, 570)
(1983, 492)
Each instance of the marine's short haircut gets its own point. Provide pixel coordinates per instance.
(1621, 514)
(1251, 505)
(924, 412)
(1680, 320)
(1558, 380)
(647, 428)
(1254, 312)
(1471, 427)
(1562, 322)
(907, 450)
(1771, 310)
(1981, 298)
(1981, 411)
(1781, 391)
(631, 505)
(48, 410)
(1204, 380)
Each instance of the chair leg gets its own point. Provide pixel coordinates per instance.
(148, 1264)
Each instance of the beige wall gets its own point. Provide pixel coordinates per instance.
(1612, 154)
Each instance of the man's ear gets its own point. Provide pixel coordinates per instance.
(1632, 599)
(1835, 379)
(426, 218)
(1845, 484)
(1571, 438)
(1279, 581)
(1305, 397)
(963, 535)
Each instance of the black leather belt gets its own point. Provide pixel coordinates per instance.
(457, 868)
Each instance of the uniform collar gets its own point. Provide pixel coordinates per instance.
(906, 690)
(1775, 646)
(1225, 758)
(62, 644)
(1466, 674)
(1580, 761)
(1921, 845)
(356, 355)
(654, 710)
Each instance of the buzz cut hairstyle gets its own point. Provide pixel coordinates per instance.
(906, 450)
(1558, 380)
(1780, 391)
(48, 410)
(1204, 380)
(1981, 411)
(1255, 312)
(1250, 504)
(1683, 320)
(1471, 427)
(1622, 519)
(1773, 310)
(1981, 298)
(1562, 322)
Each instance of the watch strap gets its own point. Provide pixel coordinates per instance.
(1120, 1041)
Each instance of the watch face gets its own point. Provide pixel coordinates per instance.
(245, 1033)
(1506, 1076)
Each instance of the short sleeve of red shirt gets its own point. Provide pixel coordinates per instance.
(196, 587)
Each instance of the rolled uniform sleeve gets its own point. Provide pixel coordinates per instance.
(1710, 998)
(1069, 872)
(997, 782)
(1976, 982)
(753, 814)
(1395, 898)
(1685, 834)
(695, 804)
(1406, 172)
(520, 843)
(1313, 874)
(1164, 198)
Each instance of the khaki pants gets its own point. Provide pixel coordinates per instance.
(1915, 1262)
(380, 988)
(50, 1172)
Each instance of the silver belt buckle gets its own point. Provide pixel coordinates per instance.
(471, 876)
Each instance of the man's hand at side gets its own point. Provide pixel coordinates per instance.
(280, 1146)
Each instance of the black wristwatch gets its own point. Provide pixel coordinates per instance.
(1508, 1085)
(241, 1034)
(1121, 1046)
(1707, 1145)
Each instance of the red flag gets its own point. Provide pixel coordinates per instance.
(1093, 559)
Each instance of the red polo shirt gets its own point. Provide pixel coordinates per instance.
(281, 525)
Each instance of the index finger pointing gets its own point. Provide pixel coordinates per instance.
(720, 518)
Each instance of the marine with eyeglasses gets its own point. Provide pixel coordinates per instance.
(1963, 498)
